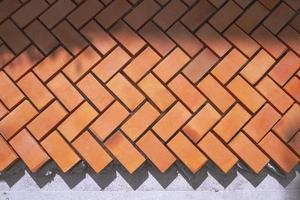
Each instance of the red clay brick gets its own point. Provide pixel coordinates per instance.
(157, 39)
(293, 88)
(125, 91)
(140, 121)
(295, 143)
(98, 37)
(6, 55)
(127, 37)
(99, 96)
(81, 64)
(7, 7)
(285, 159)
(285, 68)
(262, 122)
(291, 37)
(246, 94)
(12, 94)
(156, 151)
(186, 92)
(249, 152)
(289, 124)
(171, 121)
(109, 121)
(232, 122)
(274, 94)
(187, 152)
(35, 90)
(157, 92)
(7, 155)
(141, 64)
(111, 64)
(229, 66)
(213, 40)
(92, 152)
(29, 150)
(3, 110)
(65, 92)
(217, 152)
(16, 119)
(200, 65)
(216, 93)
(125, 152)
(201, 123)
(175, 61)
(47, 120)
(60, 151)
(270, 4)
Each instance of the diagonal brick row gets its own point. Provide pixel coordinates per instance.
(133, 81)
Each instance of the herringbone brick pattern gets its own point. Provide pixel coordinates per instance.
(153, 80)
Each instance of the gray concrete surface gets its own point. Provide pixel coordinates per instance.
(147, 183)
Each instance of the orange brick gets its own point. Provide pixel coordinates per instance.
(65, 92)
(127, 93)
(29, 150)
(171, 121)
(23, 62)
(213, 40)
(57, 59)
(7, 155)
(127, 37)
(186, 92)
(274, 94)
(169, 14)
(269, 42)
(293, 88)
(249, 152)
(232, 122)
(246, 94)
(35, 90)
(141, 64)
(111, 64)
(156, 151)
(241, 40)
(285, 159)
(229, 66)
(56, 12)
(225, 16)
(161, 97)
(60, 151)
(285, 68)
(16, 119)
(142, 13)
(109, 121)
(69, 37)
(187, 152)
(185, 39)
(93, 89)
(84, 12)
(98, 37)
(262, 123)
(217, 152)
(289, 124)
(12, 94)
(125, 152)
(6, 55)
(3, 110)
(92, 152)
(46, 120)
(295, 143)
(198, 14)
(81, 64)
(216, 93)
(157, 39)
(140, 121)
(112, 13)
(201, 123)
(77, 121)
(257, 67)
(167, 68)
(291, 37)
(200, 65)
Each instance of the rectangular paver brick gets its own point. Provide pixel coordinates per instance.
(7, 155)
